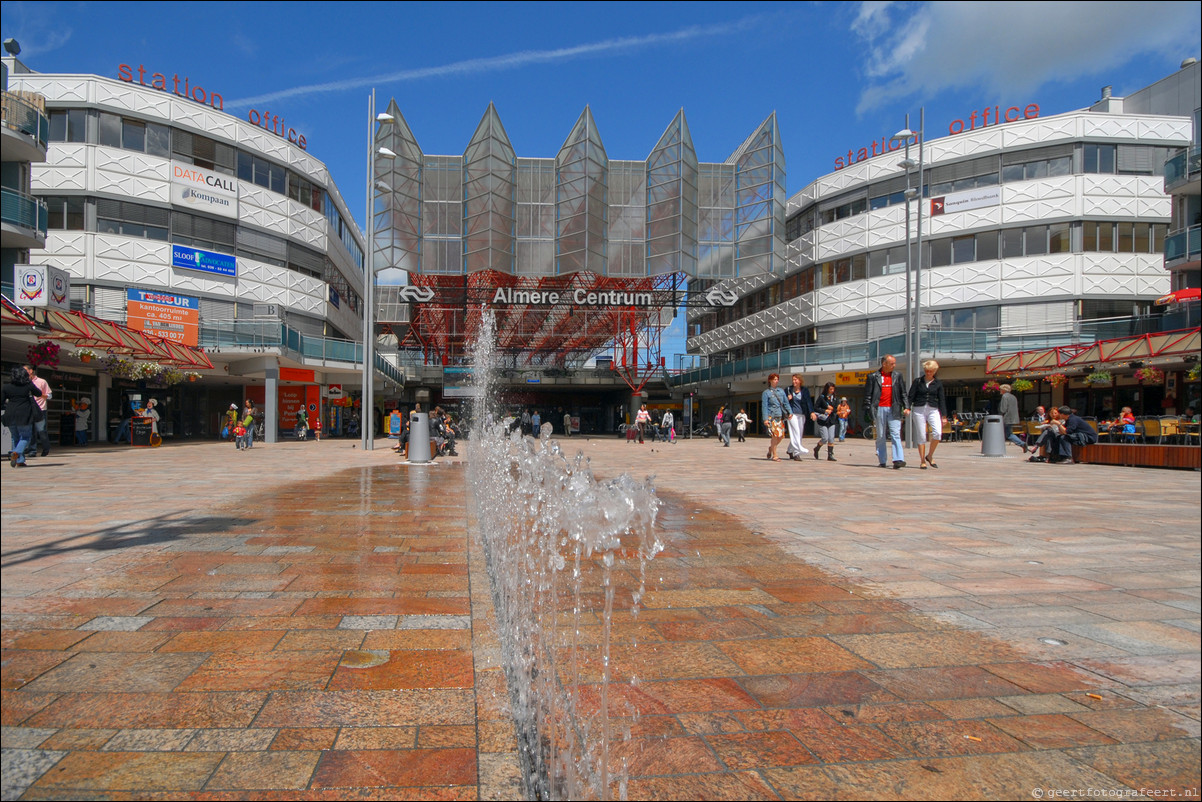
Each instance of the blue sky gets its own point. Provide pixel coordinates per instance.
(838, 75)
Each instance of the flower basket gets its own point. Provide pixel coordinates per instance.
(1149, 376)
(44, 353)
(192, 375)
(1194, 373)
(1099, 378)
(1057, 379)
(991, 387)
(1022, 385)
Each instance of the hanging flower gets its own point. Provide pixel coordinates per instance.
(1057, 379)
(1149, 376)
(1099, 377)
(119, 367)
(170, 375)
(1194, 372)
(1022, 385)
(191, 375)
(44, 353)
(991, 387)
(85, 354)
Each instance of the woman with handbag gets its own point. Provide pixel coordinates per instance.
(826, 421)
(19, 412)
(775, 409)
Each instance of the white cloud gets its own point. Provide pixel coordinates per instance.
(37, 27)
(1012, 47)
(507, 61)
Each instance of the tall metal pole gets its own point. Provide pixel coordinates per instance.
(922, 115)
(367, 415)
(909, 267)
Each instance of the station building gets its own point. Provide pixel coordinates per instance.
(180, 220)
(1036, 229)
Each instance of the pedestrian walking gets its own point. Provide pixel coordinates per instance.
(20, 411)
(741, 422)
(802, 407)
(826, 421)
(774, 406)
(1008, 409)
(39, 425)
(928, 405)
(885, 405)
(843, 412)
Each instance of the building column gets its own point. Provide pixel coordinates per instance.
(104, 383)
(271, 400)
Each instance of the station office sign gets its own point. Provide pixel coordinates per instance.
(191, 258)
(43, 287)
(163, 315)
(204, 190)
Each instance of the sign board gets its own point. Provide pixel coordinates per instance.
(297, 375)
(191, 258)
(966, 200)
(265, 310)
(164, 315)
(855, 378)
(334, 391)
(42, 286)
(204, 190)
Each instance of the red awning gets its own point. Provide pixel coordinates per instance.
(1180, 296)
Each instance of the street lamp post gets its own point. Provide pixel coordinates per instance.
(913, 285)
(367, 404)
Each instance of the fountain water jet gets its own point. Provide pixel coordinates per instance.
(553, 537)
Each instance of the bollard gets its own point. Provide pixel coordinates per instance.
(993, 437)
(419, 437)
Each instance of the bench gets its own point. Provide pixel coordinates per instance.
(1141, 456)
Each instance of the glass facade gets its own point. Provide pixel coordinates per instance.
(579, 212)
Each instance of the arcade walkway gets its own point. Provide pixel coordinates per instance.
(306, 621)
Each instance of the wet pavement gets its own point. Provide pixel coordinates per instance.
(305, 620)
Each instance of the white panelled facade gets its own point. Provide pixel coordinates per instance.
(1065, 198)
(114, 261)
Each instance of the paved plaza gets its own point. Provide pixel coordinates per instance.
(309, 621)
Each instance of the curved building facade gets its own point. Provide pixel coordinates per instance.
(1036, 225)
(157, 197)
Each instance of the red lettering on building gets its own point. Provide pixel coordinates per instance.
(976, 119)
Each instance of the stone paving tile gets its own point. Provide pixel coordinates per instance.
(335, 647)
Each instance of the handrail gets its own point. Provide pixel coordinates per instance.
(969, 342)
(25, 117)
(26, 211)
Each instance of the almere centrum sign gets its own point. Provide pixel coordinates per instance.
(510, 296)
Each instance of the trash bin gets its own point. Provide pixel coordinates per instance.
(993, 437)
(419, 437)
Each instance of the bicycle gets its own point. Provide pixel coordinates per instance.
(704, 430)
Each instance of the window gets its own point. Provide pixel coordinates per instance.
(1012, 243)
(1059, 238)
(132, 219)
(129, 134)
(964, 249)
(939, 254)
(987, 249)
(65, 213)
(69, 125)
(1098, 158)
(1037, 240)
(203, 232)
(205, 153)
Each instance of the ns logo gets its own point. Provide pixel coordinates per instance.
(415, 294)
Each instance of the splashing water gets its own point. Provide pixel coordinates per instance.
(555, 538)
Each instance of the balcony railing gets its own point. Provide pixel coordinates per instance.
(221, 334)
(25, 117)
(1182, 167)
(1185, 244)
(972, 343)
(24, 211)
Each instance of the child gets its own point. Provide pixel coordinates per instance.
(239, 433)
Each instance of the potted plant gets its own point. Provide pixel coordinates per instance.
(1057, 379)
(1194, 372)
(44, 353)
(1099, 378)
(191, 375)
(85, 355)
(1022, 385)
(1149, 376)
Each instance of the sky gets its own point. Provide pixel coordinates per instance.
(839, 75)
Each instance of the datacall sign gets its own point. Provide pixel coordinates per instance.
(195, 92)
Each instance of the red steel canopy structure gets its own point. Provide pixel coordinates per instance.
(1180, 343)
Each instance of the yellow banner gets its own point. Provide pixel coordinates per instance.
(856, 377)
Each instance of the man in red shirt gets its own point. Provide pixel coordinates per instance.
(886, 406)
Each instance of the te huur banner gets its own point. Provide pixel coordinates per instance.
(169, 317)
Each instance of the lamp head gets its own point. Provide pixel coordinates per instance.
(386, 153)
(12, 47)
(903, 135)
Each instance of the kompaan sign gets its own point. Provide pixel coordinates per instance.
(580, 297)
(203, 190)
